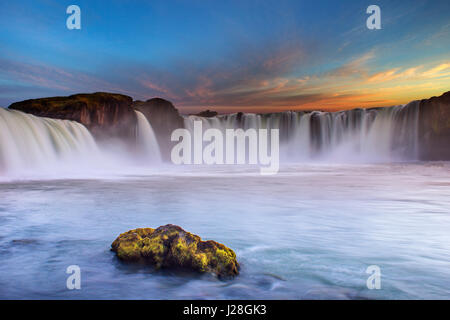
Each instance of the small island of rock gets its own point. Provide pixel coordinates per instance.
(170, 246)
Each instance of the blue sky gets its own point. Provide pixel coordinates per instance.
(228, 55)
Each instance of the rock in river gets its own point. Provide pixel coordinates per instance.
(170, 246)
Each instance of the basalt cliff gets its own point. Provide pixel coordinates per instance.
(434, 128)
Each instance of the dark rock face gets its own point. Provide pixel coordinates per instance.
(164, 119)
(434, 128)
(207, 114)
(106, 115)
(170, 246)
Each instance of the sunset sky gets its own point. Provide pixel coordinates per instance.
(228, 55)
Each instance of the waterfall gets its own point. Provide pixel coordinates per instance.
(38, 145)
(28, 142)
(35, 144)
(368, 135)
(146, 140)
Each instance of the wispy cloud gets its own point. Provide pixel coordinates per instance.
(413, 73)
(356, 67)
(49, 77)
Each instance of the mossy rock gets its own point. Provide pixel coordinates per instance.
(172, 247)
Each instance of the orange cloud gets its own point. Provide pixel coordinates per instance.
(437, 71)
(411, 73)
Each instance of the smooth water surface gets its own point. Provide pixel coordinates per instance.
(309, 232)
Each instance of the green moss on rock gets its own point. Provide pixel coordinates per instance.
(170, 246)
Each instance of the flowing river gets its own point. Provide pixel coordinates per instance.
(309, 232)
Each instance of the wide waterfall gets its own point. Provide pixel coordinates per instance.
(367, 135)
(146, 140)
(28, 142)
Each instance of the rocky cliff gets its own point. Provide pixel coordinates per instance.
(434, 128)
(106, 115)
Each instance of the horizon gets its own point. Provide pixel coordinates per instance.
(233, 57)
(196, 111)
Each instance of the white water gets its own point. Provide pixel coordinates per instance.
(28, 142)
(146, 140)
(367, 135)
(38, 147)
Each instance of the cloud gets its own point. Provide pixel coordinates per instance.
(49, 77)
(438, 71)
(268, 84)
(246, 76)
(248, 80)
(356, 67)
(413, 73)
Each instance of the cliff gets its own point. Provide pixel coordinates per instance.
(206, 114)
(106, 115)
(434, 128)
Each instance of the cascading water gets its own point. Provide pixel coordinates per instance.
(368, 135)
(146, 140)
(28, 142)
(38, 145)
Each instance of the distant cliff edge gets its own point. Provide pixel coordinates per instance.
(106, 115)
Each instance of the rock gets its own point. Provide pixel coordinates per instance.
(164, 119)
(170, 246)
(207, 114)
(434, 128)
(106, 115)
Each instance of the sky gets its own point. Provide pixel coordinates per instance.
(228, 56)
